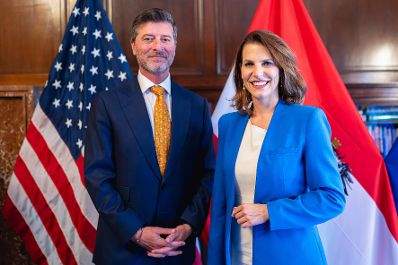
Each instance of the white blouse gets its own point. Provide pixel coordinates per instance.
(245, 182)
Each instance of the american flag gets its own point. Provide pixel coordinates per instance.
(47, 203)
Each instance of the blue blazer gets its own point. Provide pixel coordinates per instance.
(297, 177)
(123, 177)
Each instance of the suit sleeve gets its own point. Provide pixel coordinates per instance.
(196, 212)
(324, 198)
(100, 175)
(216, 247)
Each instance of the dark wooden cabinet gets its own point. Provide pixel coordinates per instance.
(16, 107)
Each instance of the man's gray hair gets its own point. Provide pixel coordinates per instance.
(152, 15)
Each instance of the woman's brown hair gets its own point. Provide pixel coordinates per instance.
(291, 87)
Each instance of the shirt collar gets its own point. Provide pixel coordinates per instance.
(145, 83)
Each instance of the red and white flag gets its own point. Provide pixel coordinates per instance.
(47, 203)
(367, 232)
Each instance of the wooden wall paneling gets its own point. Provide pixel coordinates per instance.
(361, 37)
(24, 79)
(208, 84)
(16, 108)
(233, 21)
(30, 32)
(374, 94)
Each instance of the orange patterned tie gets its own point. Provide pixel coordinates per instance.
(162, 127)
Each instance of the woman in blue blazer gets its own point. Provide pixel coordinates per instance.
(276, 176)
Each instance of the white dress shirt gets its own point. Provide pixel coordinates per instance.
(150, 98)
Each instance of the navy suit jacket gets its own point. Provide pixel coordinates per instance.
(123, 177)
(297, 177)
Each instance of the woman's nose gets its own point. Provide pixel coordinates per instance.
(258, 71)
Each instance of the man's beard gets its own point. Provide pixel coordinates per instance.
(158, 69)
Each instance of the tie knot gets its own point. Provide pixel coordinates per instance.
(157, 90)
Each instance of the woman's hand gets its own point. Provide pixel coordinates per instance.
(249, 214)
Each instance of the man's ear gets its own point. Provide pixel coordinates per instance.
(133, 48)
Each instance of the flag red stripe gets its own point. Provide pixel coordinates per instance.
(215, 140)
(198, 260)
(80, 166)
(71, 167)
(204, 236)
(44, 211)
(16, 221)
(83, 227)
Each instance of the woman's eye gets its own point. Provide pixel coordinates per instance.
(268, 63)
(248, 64)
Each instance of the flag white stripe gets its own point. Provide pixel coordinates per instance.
(55, 202)
(22, 203)
(360, 235)
(224, 102)
(68, 164)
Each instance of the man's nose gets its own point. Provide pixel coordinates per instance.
(157, 44)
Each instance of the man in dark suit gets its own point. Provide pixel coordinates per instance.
(149, 158)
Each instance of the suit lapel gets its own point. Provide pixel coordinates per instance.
(180, 117)
(133, 105)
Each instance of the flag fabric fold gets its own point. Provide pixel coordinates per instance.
(367, 231)
(392, 168)
(47, 203)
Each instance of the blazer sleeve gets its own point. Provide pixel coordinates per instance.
(216, 249)
(196, 212)
(100, 174)
(324, 198)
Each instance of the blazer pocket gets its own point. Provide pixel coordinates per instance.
(284, 161)
(124, 192)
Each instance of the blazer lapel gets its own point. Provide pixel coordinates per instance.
(180, 117)
(133, 105)
(272, 132)
(232, 153)
(279, 109)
